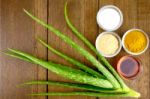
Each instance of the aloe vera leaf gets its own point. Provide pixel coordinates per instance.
(67, 72)
(28, 60)
(131, 93)
(103, 60)
(73, 85)
(18, 56)
(81, 50)
(71, 60)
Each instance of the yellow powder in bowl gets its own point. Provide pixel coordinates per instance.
(108, 44)
(135, 41)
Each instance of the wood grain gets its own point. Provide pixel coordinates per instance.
(17, 30)
(40, 10)
(56, 18)
(129, 10)
(143, 85)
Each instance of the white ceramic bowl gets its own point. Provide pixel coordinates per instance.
(119, 40)
(112, 7)
(128, 51)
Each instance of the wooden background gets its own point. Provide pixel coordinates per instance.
(17, 30)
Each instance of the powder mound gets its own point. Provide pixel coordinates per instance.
(135, 41)
(108, 44)
(104, 18)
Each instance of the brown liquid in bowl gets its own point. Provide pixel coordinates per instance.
(128, 67)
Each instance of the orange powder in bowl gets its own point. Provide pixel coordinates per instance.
(135, 41)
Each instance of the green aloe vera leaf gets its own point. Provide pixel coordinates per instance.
(103, 60)
(81, 50)
(23, 58)
(73, 85)
(131, 93)
(71, 60)
(67, 72)
(18, 56)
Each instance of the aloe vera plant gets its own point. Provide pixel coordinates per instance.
(98, 86)
(81, 50)
(102, 83)
(102, 59)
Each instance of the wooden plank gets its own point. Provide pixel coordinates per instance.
(16, 34)
(17, 31)
(40, 10)
(90, 24)
(0, 43)
(143, 23)
(129, 10)
(56, 18)
(101, 4)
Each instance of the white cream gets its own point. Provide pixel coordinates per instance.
(109, 18)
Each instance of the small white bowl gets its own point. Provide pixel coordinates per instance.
(128, 51)
(109, 7)
(119, 40)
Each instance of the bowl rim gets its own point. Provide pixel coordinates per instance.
(119, 40)
(126, 49)
(113, 7)
(135, 76)
(119, 65)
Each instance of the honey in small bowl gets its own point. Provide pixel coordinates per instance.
(129, 67)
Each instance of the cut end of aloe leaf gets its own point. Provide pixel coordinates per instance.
(134, 93)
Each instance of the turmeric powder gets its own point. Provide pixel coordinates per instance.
(135, 41)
